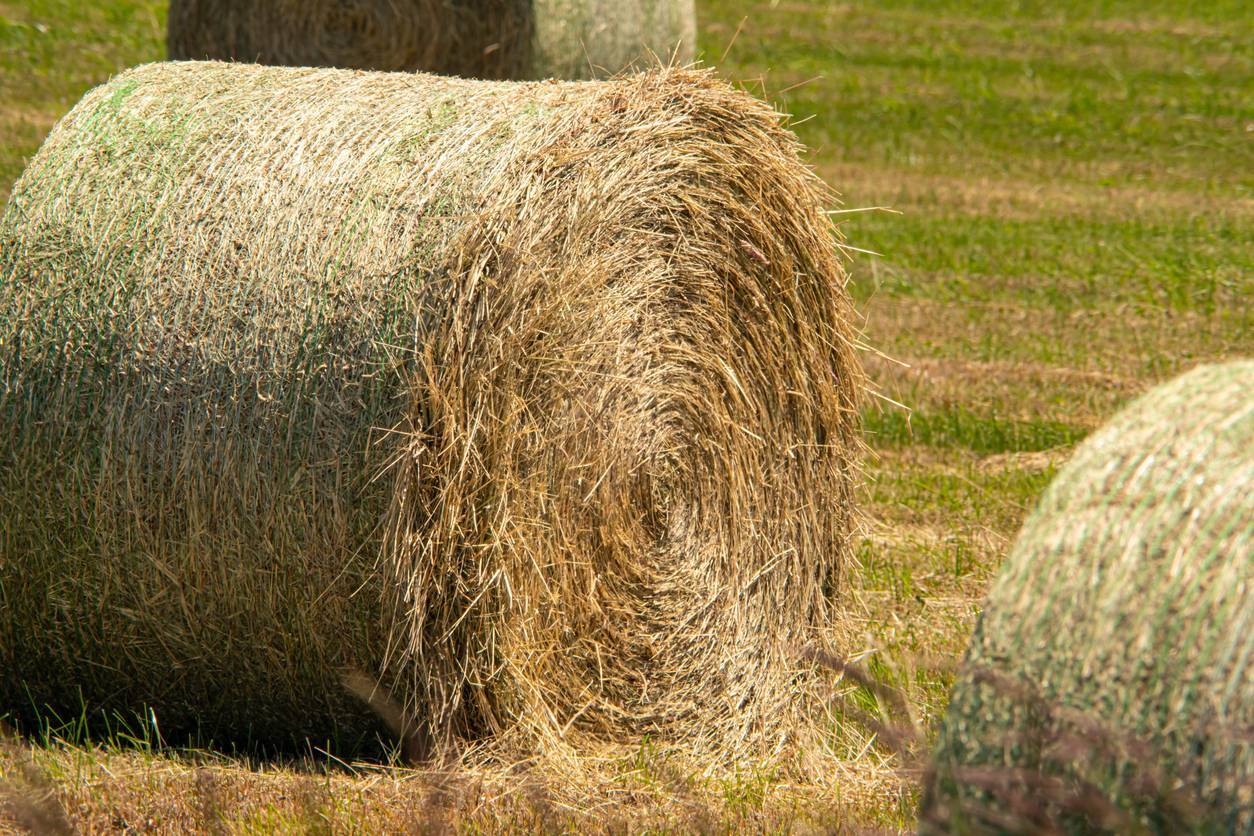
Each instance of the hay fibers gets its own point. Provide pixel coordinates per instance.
(495, 39)
(533, 401)
(1110, 683)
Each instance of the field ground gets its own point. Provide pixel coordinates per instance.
(1073, 196)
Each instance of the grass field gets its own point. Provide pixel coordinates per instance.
(1072, 186)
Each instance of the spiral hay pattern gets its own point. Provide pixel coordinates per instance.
(1110, 683)
(492, 39)
(535, 402)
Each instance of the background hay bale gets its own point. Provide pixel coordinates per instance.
(496, 39)
(587, 38)
(536, 402)
(1110, 683)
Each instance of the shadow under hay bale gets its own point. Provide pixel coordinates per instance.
(492, 39)
(1110, 683)
(536, 403)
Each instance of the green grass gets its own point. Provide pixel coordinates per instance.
(1075, 183)
(52, 51)
(1054, 90)
(1199, 263)
(959, 426)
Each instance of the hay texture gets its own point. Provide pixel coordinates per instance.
(493, 39)
(1110, 683)
(534, 401)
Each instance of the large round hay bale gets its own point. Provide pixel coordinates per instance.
(535, 401)
(496, 39)
(1110, 683)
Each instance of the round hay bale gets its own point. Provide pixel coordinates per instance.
(1110, 682)
(493, 39)
(598, 38)
(536, 402)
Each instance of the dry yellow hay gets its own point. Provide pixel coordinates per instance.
(495, 39)
(536, 402)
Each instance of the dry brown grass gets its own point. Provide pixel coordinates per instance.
(23, 125)
(537, 403)
(1138, 343)
(494, 39)
(1025, 390)
(126, 791)
(912, 192)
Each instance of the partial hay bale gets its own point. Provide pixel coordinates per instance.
(1110, 682)
(534, 401)
(493, 39)
(598, 38)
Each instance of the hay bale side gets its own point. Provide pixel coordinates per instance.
(491, 39)
(534, 401)
(1110, 682)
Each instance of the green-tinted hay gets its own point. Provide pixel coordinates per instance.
(1110, 683)
(495, 39)
(534, 402)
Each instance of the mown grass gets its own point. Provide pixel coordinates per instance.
(1127, 94)
(1075, 183)
(52, 51)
